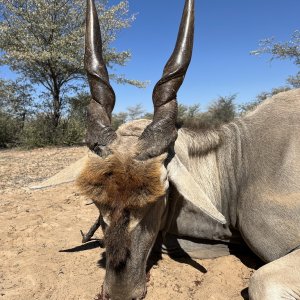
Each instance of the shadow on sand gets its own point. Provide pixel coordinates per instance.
(244, 254)
(93, 244)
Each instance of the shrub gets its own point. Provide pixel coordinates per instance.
(40, 132)
(9, 130)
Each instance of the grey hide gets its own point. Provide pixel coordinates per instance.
(250, 171)
(240, 182)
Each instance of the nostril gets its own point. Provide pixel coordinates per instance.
(102, 295)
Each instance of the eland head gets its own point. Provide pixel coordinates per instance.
(127, 178)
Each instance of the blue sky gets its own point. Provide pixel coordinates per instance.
(226, 31)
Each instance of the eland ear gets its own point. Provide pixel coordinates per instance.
(67, 175)
(190, 189)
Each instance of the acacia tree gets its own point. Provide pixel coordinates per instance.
(283, 50)
(16, 99)
(135, 112)
(43, 40)
(15, 106)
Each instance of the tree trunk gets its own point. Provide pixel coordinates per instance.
(23, 118)
(56, 104)
(56, 110)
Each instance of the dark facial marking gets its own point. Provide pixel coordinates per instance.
(117, 239)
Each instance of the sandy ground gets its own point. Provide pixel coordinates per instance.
(41, 255)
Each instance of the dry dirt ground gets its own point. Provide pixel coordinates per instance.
(41, 255)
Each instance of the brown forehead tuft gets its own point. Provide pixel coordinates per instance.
(121, 180)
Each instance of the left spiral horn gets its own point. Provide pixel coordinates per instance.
(99, 131)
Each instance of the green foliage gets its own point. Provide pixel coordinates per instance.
(278, 50)
(132, 113)
(9, 130)
(15, 98)
(119, 119)
(250, 106)
(135, 112)
(69, 132)
(15, 106)
(37, 129)
(186, 112)
(121, 79)
(223, 110)
(40, 132)
(78, 106)
(148, 116)
(294, 81)
(43, 40)
(283, 50)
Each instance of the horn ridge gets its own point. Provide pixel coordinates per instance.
(99, 131)
(179, 61)
(161, 133)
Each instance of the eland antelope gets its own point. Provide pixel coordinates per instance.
(200, 191)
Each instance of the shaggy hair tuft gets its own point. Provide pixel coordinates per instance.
(120, 180)
(201, 143)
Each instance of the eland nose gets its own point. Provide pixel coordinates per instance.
(119, 292)
(107, 297)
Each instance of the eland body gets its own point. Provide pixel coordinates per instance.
(203, 190)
